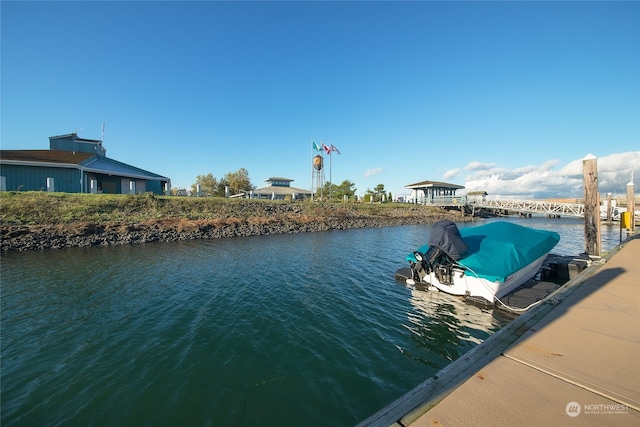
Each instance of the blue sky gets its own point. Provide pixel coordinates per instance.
(506, 97)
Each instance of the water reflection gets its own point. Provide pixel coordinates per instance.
(445, 325)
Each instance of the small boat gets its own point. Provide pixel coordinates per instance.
(482, 263)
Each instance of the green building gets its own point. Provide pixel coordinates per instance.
(75, 165)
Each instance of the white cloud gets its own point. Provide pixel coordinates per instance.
(544, 181)
(450, 174)
(572, 169)
(372, 172)
(479, 166)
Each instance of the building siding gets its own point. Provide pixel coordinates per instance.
(69, 180)
(29, 178)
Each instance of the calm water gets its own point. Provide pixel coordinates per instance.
(272, 331)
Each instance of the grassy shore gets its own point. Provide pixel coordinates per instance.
(40, 208)
(39, 220)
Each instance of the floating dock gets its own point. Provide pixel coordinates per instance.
(573, 361)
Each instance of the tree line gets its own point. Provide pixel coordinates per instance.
(239, 182)
(236, 182)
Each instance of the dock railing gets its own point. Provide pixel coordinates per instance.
(507, 206)
(532, 206)
(443, 201)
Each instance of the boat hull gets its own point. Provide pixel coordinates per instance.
(478, 287)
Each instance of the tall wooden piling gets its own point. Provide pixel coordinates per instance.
(631, 205)
(591, 205)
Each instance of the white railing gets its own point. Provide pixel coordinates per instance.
(443, 200)
(533, 206)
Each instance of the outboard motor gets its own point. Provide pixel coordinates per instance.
(434, 260)
(421, 267)
(446, 246)
(446, 236)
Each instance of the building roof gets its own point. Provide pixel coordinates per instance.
(104, 165)
(434, 184)
(74, 136)
(45, 156)
(277, 178)
(280, 190)
(87, 161)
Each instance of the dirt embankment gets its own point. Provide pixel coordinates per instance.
(278, 219)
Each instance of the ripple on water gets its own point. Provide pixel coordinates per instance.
(262, 331)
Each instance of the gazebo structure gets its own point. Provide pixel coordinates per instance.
(435, 193)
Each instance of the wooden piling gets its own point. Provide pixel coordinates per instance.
(591, 205)
(609, 208)
(631, 205)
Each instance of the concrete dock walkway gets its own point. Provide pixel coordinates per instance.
(573, 363)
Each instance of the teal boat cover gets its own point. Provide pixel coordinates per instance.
(499, 249)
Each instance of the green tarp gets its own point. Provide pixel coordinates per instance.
(499, 249)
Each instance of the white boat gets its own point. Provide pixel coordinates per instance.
(484, 262)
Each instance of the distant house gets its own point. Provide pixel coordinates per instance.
(426, 192)
(280, 188)
(75, 165)
(477, 196)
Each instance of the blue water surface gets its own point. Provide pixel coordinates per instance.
(296, 329)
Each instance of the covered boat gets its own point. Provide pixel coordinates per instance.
(487, 261)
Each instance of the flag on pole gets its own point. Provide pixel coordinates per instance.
(333, 148)
(317, 147)
(327, 149)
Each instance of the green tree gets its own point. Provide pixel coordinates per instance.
(370, 195)
(220, 187)
(337, 192)
(238, 181)
(208, 185)
(377, 193)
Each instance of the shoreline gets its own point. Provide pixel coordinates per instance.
(33, 237)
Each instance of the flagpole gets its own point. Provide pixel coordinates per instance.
(321, 173)
(330, 168)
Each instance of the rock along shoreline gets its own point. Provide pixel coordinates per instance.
(17, 238)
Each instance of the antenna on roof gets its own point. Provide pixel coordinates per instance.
(102, 137)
